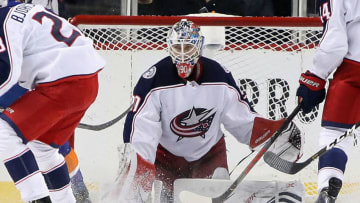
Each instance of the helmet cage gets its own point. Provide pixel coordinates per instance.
(185, 43)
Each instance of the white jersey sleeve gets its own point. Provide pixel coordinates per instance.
(238, 117)
(340, 36)
(41, 47)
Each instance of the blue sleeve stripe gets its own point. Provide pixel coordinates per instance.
(13, 94)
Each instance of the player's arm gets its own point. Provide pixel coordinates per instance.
(330, 54)
(334, 43)
(252, 129)
(12, 44)
(143, 126)
(142, 130)
(143, 123)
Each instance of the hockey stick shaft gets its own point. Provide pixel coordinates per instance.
(292, 167)
(104, 125)
(258, 156)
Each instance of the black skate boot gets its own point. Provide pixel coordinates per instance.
(329, 194)
(42, 200)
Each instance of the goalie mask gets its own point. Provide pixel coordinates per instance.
(185, 43)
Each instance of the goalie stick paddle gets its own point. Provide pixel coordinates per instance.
(227, 194)
(292, 167)
(104, 125)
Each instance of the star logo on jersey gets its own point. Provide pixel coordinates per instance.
(192, 123)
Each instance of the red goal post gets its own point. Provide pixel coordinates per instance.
(292, 23)
(265, 55)
(209, 20)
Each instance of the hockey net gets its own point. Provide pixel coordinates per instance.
(265, 56)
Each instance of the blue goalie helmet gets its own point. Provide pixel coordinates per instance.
(185, 42)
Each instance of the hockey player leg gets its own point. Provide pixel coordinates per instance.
(54, 169)
(329, 194)
(332, 165)
(77, 182)
(21, 165)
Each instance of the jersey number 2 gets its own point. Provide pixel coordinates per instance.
(55, 31)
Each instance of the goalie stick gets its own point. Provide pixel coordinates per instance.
(227, 194)
(104, 125)
(292, 167)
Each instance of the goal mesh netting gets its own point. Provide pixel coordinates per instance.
(265, 55)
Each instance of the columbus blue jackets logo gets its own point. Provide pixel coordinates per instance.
(150, 72)
(192, 123)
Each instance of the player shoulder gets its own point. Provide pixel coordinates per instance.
(162, 73)
(213, 65)
(20, 12)
(214, 71)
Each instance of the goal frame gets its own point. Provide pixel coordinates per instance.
(219, 20)
(200, 20)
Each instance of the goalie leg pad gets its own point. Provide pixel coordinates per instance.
(170, 167)
(136, 183)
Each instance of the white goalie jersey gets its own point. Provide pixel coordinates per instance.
(34, 41)
(185, 117)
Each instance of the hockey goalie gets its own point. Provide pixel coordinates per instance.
(174, 126)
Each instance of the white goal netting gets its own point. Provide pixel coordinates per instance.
(265, 56)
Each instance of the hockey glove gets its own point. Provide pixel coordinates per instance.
(289, 145)
(311, 91)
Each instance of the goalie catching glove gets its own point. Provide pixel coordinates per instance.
(288, 145)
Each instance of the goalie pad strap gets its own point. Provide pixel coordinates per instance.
(262, 130)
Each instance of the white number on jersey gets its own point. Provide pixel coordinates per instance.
(325, 12)
(2, 45)
(55, 31)
(136, 103)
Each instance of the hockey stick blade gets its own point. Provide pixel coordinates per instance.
(288, 167)
(104, 125)
(227, 194)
